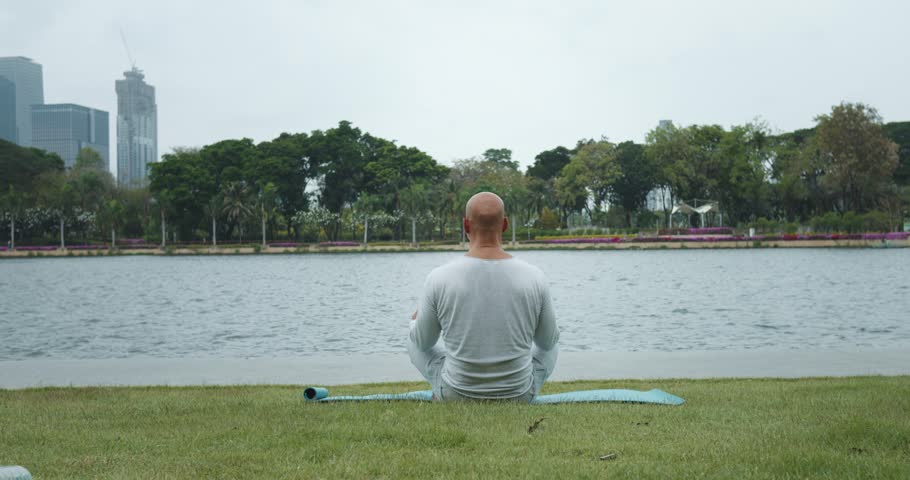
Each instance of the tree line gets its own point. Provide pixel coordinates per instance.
(346, 184)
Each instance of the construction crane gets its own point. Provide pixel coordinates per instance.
(127, 48)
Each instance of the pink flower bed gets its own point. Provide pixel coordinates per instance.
(86, 247)
(710, 231)
(36, 248)
(585, 240)
(730, 238)
(339, 244)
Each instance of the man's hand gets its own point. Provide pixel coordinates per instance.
(414, 317)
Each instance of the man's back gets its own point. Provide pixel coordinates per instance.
(489, 312)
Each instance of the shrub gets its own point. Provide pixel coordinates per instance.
(876, 221)
(852, 223)
(548, 220)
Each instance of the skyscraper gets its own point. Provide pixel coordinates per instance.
(8, 110)
(137, 128)
(28, 80)
(65, 129)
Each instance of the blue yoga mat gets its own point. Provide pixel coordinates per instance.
(655, 396)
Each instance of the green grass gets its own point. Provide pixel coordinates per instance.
(807, 428)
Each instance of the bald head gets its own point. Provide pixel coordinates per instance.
(485, 211)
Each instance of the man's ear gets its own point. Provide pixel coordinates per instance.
(467, 225)
(505, 223)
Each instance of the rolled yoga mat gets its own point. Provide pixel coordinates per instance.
(14, 473)
(655, 396)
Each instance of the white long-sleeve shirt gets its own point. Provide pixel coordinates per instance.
(489, 312)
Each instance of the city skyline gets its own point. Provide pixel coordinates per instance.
(456, 80)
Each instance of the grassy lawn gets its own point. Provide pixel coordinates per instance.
(729, 428)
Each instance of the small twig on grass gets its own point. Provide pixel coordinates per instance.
(609, 456)
(535, 425)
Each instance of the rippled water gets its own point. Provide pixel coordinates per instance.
(255, 306)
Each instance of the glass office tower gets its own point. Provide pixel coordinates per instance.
(137, 128)
(66, 128)
(8, 110)
(28, 80)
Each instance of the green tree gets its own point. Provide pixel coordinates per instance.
(236, 204)
(55, 194)
(744, 165)
(366, 207)
(549, 163)
(899, 133)
(339, 159)
(89, 187)
(589, 175)
(14, 203)
(500, 156)
(637, 177)
(20, 167)
(285, 163)
(213, 209)
(265, 204)
(138, 208)
(414, 202)
(391, 169)
(89, 159)
(111, 215)
(186, 178)
(859, 159)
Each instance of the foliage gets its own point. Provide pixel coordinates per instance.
(899, 133)
(857, 157)
(848, 162)
(549, 163)
(89, 159)
(638, 176)
(501, 157)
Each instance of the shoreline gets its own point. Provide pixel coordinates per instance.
(345, 369)
(518, 246)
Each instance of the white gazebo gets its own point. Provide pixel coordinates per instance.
(708, 207)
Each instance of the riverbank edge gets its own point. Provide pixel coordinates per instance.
(330, 368)
(518, 246)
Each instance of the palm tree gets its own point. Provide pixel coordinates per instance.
(55, 194)
(214, 208)
(414, 202)
(112, 213)
(13, 203)
(265, 203)
(236, 207)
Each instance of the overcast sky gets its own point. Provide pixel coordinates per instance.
(455, 78)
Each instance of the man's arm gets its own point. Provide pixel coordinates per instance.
(425, 328)
(547, 334)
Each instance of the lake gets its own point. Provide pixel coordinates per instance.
(606, 301)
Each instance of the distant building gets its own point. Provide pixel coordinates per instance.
(664, 124)
(65, 129)
(8, 110)
(28, 81)
(137, 128)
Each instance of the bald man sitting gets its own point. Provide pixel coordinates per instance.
(499, 335)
